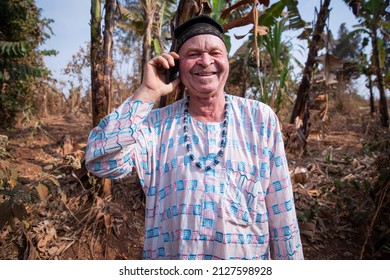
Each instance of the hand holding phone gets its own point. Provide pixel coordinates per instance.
(173, 72)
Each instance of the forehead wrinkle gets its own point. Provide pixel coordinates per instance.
(203, 44)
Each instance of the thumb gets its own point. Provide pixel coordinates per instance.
(172, 86)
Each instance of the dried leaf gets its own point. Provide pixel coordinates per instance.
(6, 213)
(19, 211)
(314, 193)
(262, 30)
(48, 167)
(13, 178)
(55, 181)
(43, 191)
(50, 235)
(239, 37)
(308, 229)
(301, 174)
(53, 251)
(4, 164)
(331, 63)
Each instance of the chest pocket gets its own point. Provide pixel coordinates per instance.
(243, 199)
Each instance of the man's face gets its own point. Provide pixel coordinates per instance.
(204, 65)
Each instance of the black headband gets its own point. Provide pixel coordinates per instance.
(197, 26)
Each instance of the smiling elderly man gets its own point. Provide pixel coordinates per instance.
(212, 165)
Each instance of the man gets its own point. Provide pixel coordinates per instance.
(212, 165)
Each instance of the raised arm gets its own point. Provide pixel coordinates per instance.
(113, 146)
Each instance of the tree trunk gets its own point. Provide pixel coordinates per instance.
(372, 103)
(383, 110)
(101, 59)
(244, 73)
(300, 114)
(150, 9)
(98, 102)
(101, 66)
(109, 23)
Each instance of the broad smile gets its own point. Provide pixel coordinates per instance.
(205, 74)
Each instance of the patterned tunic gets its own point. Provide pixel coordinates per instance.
(242, 208)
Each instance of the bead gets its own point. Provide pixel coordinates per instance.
(185, 128)
(185, 119)
(192, 157)
(189, 148)
(216, 162)
(225, 123)
(224, 132)
(199, 165)
(186, 138)
(208, 168)
(223, 143)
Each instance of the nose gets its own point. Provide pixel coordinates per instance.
(205, 59)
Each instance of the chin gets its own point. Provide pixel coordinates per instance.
(207, 89)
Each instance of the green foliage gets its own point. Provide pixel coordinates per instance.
(14, 49)
(132, 24)
(278, 52)
(22, 31)
(267, 57)
(276, 10)
(348, 195)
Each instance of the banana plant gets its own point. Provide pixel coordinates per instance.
(150, 20)
(371, 17)
(265, 41)
(278, 53)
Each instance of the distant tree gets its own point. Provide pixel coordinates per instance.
(347, 47)
(22, 70)
(371, 15)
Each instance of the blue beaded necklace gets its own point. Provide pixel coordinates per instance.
(223, 138)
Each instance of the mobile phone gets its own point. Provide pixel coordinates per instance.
(173, 72)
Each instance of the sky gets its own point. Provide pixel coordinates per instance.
(72, 30)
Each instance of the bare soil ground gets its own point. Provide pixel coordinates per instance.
(50, 208)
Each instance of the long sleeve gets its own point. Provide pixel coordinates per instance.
(285, 240)
(112, 145)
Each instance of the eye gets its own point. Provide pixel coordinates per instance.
(193, 54)
(216, 53)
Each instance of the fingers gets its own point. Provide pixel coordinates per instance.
(165, 60)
